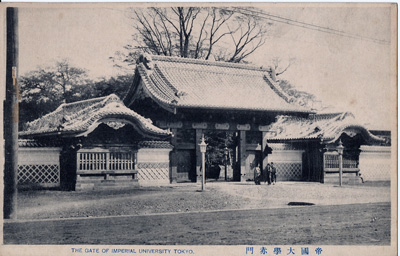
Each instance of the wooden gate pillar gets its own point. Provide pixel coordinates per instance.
(199, 174)
(173, 170)
(242, 155)
(264, 151)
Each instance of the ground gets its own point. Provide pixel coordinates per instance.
(226, 213)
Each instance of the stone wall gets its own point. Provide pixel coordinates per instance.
(287, 160)
(153, 166)
(375, 163)
(39, 166)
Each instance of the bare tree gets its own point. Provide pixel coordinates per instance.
(250, 38)
(278, 70)
(196, 32)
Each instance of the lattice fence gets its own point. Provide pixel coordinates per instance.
(39, 174)
(102, 161)
(288, 171)
(148, 172)
(331, 161)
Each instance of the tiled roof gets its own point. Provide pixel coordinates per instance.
(327, 127)
(155, 144)
(28, 143)
(82, 116)
(190, 83)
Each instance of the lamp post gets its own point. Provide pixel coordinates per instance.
(226, 162)
(203, 148)
(340, 151)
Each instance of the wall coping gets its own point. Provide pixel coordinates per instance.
(380, 149)
(40, 149)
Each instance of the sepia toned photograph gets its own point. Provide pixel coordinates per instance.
(199, 129)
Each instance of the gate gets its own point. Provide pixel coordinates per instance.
(104, 167)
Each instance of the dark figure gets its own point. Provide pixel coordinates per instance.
(257, 175)
(362, 179)
(267, 174)
(217, 171)
(213, 171)
(273, 173)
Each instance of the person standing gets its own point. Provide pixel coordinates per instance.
(273, 173)
(267, 172)
(257, 175)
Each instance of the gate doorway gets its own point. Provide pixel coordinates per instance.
(252, 160)
(220, 155)
(186, 165)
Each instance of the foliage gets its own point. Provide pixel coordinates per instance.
(55, 83)
(117, 85)
(44, 89)
(302, 98)
(216, 143)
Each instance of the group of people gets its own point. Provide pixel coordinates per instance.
(266, 175)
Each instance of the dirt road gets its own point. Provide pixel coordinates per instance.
(186, 198)
(350, 224)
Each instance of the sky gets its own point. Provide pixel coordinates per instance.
(349, 74)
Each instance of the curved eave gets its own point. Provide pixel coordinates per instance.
(167, 106)
(151, 92)
(132, 92)
(368, 136)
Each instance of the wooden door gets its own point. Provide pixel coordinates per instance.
(313, 165)
(186, 165)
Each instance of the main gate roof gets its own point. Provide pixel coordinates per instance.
(82, 116)
(190, 83)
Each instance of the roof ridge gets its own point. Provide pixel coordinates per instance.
(63, 106)
(340, 115)
(89, 100)
(98, 101)
(277, 90)
(208, 62)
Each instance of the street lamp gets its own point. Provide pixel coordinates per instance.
(226, 162)
(203, 148)
(339, 149)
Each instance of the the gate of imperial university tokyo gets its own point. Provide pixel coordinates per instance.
(190, 97)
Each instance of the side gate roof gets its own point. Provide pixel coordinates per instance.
(324, 127)
(74, 119)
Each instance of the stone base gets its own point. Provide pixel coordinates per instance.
(199, 180)
(98, 182)
(34, 186)
(347, 179)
